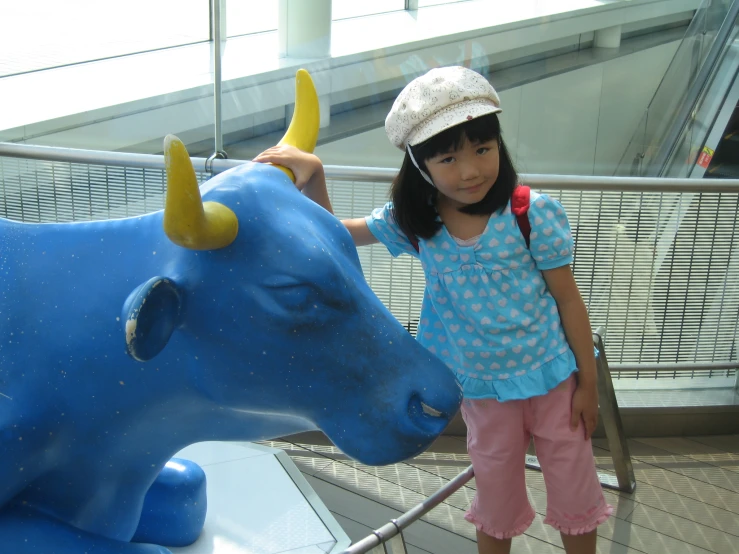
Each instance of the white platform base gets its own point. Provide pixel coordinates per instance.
(259, 503)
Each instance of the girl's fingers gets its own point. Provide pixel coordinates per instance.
(268, 154)
(575, 419)
(590, 425)
(269, 158)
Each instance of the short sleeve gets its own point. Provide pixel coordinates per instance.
(551, 238)
(383, 226)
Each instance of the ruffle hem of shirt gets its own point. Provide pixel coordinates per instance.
(536, 382)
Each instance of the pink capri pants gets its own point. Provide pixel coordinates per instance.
(498, 436)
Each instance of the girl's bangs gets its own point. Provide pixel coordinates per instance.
(480, 129)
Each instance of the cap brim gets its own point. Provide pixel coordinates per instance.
(449, 117)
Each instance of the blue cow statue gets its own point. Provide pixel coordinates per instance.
(248, 319)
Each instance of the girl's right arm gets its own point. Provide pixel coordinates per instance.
(359, 231)
(311, 180)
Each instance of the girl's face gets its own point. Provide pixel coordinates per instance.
(464, 176)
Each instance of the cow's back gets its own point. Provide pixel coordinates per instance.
(65, 284)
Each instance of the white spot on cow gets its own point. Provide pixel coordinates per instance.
(130, 330)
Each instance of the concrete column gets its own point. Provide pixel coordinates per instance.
(304, 28)
(411, 5)
(608, 38)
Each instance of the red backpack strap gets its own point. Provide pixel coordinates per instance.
(414, 242)
(520, 202)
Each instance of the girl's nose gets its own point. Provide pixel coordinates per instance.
(470, 171)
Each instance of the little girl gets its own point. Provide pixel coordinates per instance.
(501, 306)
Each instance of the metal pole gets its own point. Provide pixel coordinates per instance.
(562, 182)
(376, 174)
(611, 418)
(217, 79)
(396, 526)
(99, 157)
(678, 366)
(612, 423)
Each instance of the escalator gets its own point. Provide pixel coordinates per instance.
(690, 127)
(711, 137)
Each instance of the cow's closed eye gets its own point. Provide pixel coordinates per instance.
(306, 297)
(293, 298)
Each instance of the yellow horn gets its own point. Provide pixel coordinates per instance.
(188, 221)
(303, 130)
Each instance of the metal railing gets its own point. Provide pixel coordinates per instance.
(372, 174)
(678, 223)
(388, 539)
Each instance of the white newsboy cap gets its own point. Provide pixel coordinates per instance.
(440, 99)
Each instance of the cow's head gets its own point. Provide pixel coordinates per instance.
(268, 290)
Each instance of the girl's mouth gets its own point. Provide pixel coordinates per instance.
(472, 190)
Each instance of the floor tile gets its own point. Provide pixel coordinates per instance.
(685, 502)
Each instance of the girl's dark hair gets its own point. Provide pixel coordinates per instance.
(414, 199)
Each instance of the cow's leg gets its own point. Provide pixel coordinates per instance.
(26, 531)
(175, 506)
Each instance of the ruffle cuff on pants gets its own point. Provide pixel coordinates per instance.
(488, 530)
(582, 529)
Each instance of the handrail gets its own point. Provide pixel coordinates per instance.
(95, 157)
(677, 366)
(395, 526)
(372, 174)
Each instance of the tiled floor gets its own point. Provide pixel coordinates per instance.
(686, 501)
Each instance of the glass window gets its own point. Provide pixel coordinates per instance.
(426, 3)
(244, 17)
(344, 9)
(40, 34)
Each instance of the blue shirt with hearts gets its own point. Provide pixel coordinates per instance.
(486, 311)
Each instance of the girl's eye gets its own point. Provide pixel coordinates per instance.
(483, 150)
(447, 160)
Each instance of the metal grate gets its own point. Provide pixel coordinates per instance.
(42, 192)
(654, 269)
(398, 282)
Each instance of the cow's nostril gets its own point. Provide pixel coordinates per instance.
(426, 418)
(428, 410)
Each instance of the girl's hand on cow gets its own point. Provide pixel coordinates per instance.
(306, 167)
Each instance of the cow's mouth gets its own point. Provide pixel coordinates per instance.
(428, 410)
(425, 417)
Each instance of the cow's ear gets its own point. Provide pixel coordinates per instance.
(150, 314)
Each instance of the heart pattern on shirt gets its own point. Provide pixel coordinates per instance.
(516, 316)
